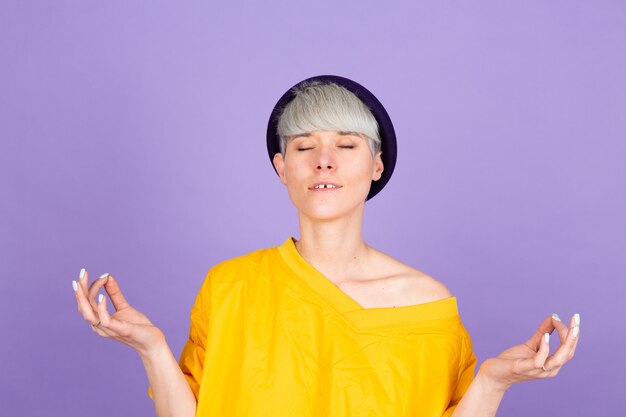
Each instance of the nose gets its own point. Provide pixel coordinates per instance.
(325, 167)
(325, 161)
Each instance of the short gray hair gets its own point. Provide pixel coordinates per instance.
(327, 106)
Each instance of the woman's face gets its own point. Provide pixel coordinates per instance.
(328, 174)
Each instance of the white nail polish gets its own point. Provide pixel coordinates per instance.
(577, 319)
(74, 285)
(82, 273)
(556, 317)
(546, 337)
(106, 274)
(100, 298)
(575, 331)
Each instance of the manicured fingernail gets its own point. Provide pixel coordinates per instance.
(577, 319)
(74, 285)
(100, 298)
(575, 331)
(82, 273)
(556, 317)
(104, 275)
(546, 337)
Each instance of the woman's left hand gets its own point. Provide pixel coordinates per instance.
(531, 360)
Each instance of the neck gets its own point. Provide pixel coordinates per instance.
(335, 248)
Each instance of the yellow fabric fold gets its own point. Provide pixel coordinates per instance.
(271, 336)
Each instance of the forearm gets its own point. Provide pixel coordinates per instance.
(481, 399)
(171, 393)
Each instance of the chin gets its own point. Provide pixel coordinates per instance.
(329, 212)
(331, 207)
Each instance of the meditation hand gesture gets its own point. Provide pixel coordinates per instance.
(531, 360)
(126, 325)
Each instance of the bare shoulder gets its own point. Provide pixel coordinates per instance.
(419, 286)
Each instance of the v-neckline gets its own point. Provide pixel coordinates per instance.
(348, 307)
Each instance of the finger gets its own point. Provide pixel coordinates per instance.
(100, 331)
(534, 365)
(103, 314)
(566, 351)
(109, 325)
(577, 338)
(94, 289)
(115, 294)
(542, 355)
(83, 279)
(567, 348)
(85, 309)
(547, 326)
(561, 328)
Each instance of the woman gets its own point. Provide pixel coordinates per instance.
(324, 325)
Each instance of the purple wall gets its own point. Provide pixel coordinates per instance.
(132, 142)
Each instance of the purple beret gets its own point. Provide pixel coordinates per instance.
(385, 128)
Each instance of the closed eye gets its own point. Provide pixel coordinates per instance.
(347, 146)
(304, 149)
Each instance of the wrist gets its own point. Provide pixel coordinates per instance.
(488, 383)
(155, 350)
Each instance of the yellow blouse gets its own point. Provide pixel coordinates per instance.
(271, 336)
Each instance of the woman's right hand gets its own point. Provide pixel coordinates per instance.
(126, 325)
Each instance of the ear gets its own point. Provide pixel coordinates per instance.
(378, 167)
(279, 164)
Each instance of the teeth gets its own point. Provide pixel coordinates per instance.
(325, 186)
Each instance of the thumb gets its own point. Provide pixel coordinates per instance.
(547, 326)
(115, 294)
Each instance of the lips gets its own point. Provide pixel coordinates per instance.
(324, 186)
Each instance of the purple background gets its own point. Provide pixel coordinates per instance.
(132, 142)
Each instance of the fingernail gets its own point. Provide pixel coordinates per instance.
(74, 285)
(100, 298)
(577, 319)
(575, 331)
(546, 337)
(82, 273)
(104, 275)
(556, 317)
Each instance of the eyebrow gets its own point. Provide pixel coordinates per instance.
(300, 135)
(349, 134)
(341, 133)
